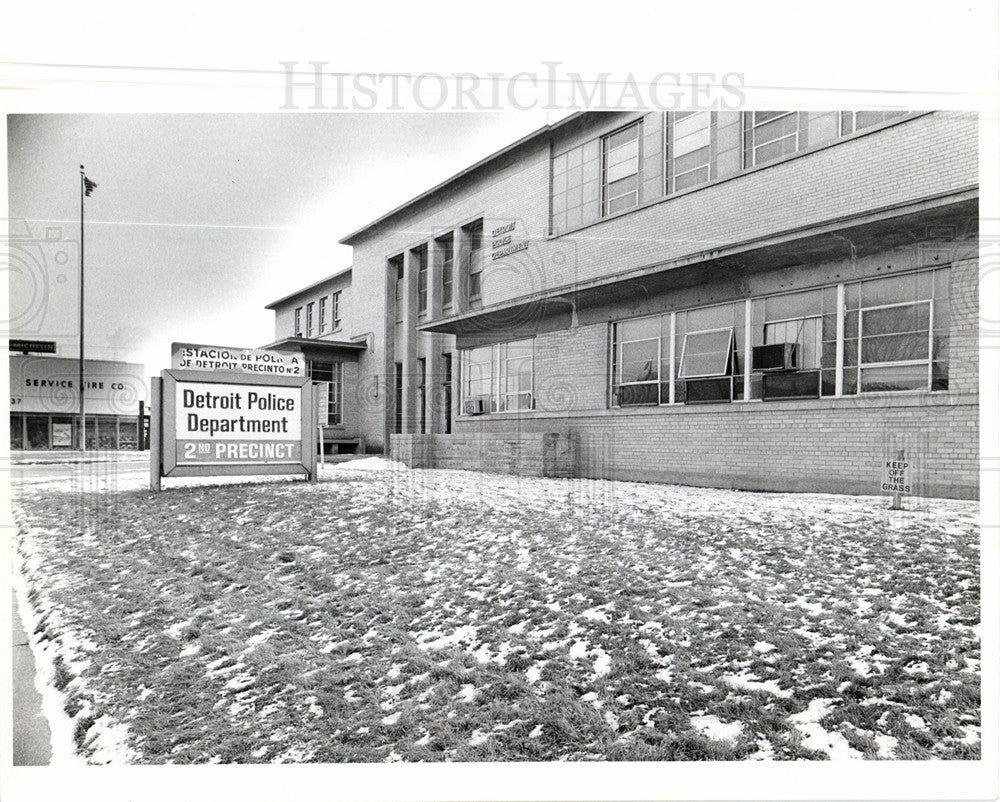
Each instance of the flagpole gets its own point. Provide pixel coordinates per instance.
(83, 418)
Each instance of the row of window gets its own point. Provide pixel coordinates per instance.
(606, 176)
(318, 324)
(470, 271)
(877, 335)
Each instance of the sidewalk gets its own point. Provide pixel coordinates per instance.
(32, 737)
(32, 457)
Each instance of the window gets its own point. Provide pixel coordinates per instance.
(329, 377)
(621, 169)
(795, 345)
(689, 149)
(498, 378)
(335, 310)
(474, 268)
(576, 187)
(708, 350)
(446, 245)
(878, 335)
(477, 380)
(896, 333)
(515, 375)
(298, 321)
(322, 314)
(310, 307)
(770, 135)
(636, 362)
(421, 258)
(851, 121)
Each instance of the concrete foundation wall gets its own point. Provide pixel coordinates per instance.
(519, 453)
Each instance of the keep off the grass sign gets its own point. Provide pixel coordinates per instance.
(895, 478)
(230, 421)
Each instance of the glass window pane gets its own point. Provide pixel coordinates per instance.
(709, 317)
(763, 116)
(628, 153)
(894, 348)
(896, 320)
(939, 377)
(900, 377)
(706, 353)
(622, 137)
(644, 328)
(626, 185)
(851, 351)
(691, 160)
(623, 202)
(635, 394)
(620, 171)
(640, 361)
(773, 125)
(691, 179)
(691, 132)
(793, 305)
(890, 290)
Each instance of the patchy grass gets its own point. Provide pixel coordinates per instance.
(386, 615)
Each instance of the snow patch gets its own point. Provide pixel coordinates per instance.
(467, 693)
(750, 682)
(713, 727)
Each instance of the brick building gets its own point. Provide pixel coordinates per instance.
(759, 300)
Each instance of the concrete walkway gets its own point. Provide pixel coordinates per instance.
(32, 737)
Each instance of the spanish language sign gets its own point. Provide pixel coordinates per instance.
(186, 356)
(237, 423)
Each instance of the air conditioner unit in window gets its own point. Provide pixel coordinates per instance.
(776, 356)
(475, 406)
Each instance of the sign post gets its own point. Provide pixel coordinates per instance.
(155, 432)
(232, 412)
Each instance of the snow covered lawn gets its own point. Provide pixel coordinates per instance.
(388, 614)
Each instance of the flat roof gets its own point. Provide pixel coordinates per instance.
(545, 129)
(310, 288)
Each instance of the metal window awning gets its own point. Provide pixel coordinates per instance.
(342, 350)
(953, 217)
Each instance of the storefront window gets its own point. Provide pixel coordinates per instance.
(62, 433)
(38, 431)
(128, 438)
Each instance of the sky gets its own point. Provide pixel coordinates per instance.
(199, 220)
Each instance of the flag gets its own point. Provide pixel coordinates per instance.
(88, 186)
